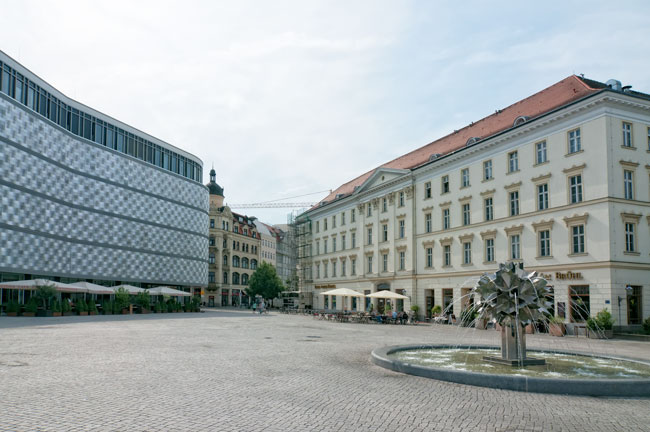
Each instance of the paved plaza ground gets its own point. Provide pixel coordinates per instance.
(229, 370)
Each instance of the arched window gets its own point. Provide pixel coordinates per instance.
(520, 120)
(244, 279)
(235, 278)
(253, 264)
(244, 262)
(235, 261)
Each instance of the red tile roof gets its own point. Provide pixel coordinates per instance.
(566, 91)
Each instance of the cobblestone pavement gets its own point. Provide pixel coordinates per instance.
(235, 371)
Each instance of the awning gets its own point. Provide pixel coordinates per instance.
(31, 284)
(165, 290)
(92, 288)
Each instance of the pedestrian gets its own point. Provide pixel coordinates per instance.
(262, 305)
(254, 306)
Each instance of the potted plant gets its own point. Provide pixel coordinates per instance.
(122, 301)
(196, 304)
(56, 308)
(107, 307)
(415, 308)
(601, 326)
(436, 311)
(82, 307)
(160, 307)
(388, 309)
(467, 317)
(13, 308)
(179, 307)
(31, 307)
(143, 300)
(92, 307)
(556, 326)
(44, 295)
(66, 310)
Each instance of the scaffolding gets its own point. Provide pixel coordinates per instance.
(300, 228)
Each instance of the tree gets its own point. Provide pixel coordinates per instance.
(45, 293)
(265, 282)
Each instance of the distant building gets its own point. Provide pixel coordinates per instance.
(558, 180)
(233, 251)
(268, 242)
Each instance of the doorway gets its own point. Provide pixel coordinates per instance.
(448, 301)
(580, 308)
(634, 311)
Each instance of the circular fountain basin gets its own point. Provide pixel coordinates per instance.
(564, 372)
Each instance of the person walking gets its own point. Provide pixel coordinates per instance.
(254, 306)
(261, 306)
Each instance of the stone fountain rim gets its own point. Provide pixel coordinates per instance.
(613, 387)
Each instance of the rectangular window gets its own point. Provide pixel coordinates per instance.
(6, 80)
(540, 152)
(515, 250)
(542, 196)
(342, 241)
(384, 205)
(369, 235)
(489, 250)
(628, 184)
(353, 214)
(464, 177)
(343, 265)
(574, 141)
(318, 271)
(544, 243)
(466, 214)
(343, 218)
(402, 228)
(384, 262)
(353, 239)
(317, 226)
(445, 218)
(578, 239)
(427, 190)
(333, 268)
(370, 264)
(402, 260)
(429, 257)
(325, 269)
(514, 203)
(334, 221)
(211, 223)
(325, 246)
(211, 277)
(353, 263)
(489, 209)
(487, 170)
(513, 162)
(629, 237)
(317, 247)
(384, 232)
(648, 138)
(445, 184)
(627, 134)
(325, 224)
(446, 255)
(427, 222)
(369, 210)
(575, 185)
(333, 244)
(401, 199)
(467, 253)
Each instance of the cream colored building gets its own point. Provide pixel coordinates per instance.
(234, 247)
(559, 180)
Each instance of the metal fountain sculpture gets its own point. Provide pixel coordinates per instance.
(513, 298)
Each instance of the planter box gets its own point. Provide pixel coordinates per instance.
(83, 313)
(92, 313)
(12, 313)
(530, 329)
(68, 313)
(43, 313)
(125, 311)
(600, 334)
(106, 312)
(56, 314)
(556, 329)
(481, 324)
(29, 314)
(144, 311)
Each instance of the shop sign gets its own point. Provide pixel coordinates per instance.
(568, 276)
(325, 286)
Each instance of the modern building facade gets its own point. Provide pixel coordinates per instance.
(233, 253)
(87, 197)
(559, 180)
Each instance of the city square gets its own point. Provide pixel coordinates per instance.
(232, 370)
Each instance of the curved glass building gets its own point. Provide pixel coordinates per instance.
(85, 196)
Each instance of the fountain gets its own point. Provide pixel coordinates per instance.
(513, 299)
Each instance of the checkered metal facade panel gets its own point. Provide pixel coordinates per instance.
(151, 226)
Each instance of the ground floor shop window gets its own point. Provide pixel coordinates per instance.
(634, 311)
(448, 301)
(580, 308)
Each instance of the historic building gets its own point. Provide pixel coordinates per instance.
(87, 197)
(233, 251)
(559, 180)
(268, 242)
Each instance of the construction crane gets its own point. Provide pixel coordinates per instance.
(277, 204)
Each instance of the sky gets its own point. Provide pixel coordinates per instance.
(289, 98)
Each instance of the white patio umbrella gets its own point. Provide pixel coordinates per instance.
(33, 283)
(130, 288)
(387, 295)
(343, 292)
(92, 288)
(165, 290)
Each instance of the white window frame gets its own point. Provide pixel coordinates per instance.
(540, 152)
(542, 196)
(487, 170)
(627, 135)
(464, 178)
(574, 144)
(488, 207)
(513, 161)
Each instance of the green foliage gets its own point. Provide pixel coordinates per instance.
(602, 321)
(122, 299)
(556, 320)
(160, 307)
(65, 306)
(265, 282)
(467, 316)
(170, 305)
(646, 326)
(44, 294)
(387, 308)
(81, 306)
(56, 306)
(32, 305)
(436, 310)
(107, 307)
(92, 306)
(415, 308)
(13, 306)
(143, 300)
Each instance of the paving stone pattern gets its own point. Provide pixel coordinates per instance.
(229, 370)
